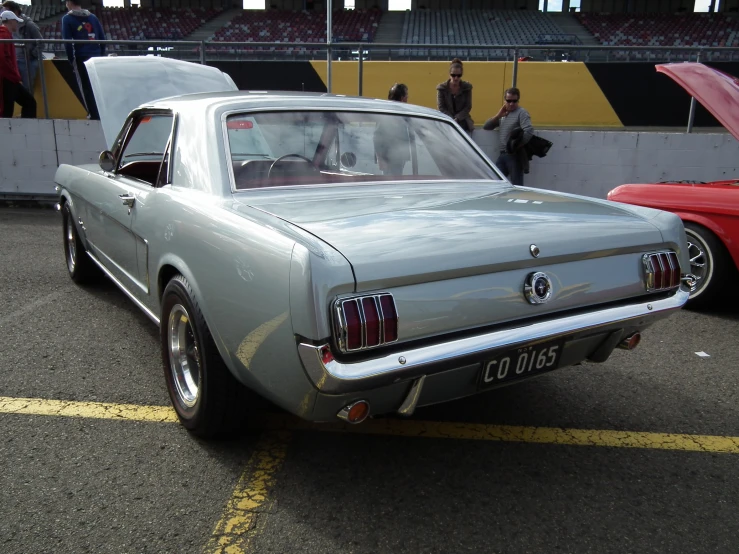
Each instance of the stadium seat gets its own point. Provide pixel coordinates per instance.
(299, 26)
(143, 23)
(662, 29)
(474, 27)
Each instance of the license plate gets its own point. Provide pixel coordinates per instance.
(521, 362)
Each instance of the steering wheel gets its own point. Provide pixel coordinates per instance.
(278, 160)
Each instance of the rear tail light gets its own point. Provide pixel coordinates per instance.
(662, 271)
(353, 325)
(371, 321)
(365, 322)
(390, 318)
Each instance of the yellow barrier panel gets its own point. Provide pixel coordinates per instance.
(561, 94)
(62, 101)
(557, 94)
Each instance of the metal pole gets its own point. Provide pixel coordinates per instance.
(202, 52)
(329, 10)
(43, 81)
(28, 67)
(361, 68)
(515, 66)
(691, 115)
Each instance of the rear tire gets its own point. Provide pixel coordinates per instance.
(711, 263)
(79, 265)
(208, 400)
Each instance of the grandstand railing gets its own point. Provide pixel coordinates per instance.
(205, 51)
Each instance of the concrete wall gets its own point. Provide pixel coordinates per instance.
(582, 162)
(594, 162)
(32, 149)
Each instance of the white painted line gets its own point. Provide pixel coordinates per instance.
(30, 307)
(702, 354)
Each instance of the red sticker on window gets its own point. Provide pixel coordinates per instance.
(146, 119)
(239, 124)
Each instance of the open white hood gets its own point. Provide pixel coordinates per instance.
(123, 83)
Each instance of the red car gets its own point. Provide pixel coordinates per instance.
(710, 211)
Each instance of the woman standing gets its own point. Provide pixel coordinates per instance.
(454, 97)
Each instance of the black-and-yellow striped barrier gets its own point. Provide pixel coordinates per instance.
(557, 94)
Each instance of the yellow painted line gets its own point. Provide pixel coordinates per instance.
(511, 433)
(94, 410)
(396, 427)
(240, 521)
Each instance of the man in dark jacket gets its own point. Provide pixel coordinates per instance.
(11, 87)
(81, 25)
(512, 118)
(27, 29)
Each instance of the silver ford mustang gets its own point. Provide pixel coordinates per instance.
(344, 257)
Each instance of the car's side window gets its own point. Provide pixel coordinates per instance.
(144, 152)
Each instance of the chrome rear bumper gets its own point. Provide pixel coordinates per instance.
(331, 376)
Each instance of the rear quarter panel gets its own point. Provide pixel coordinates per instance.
(239, 270)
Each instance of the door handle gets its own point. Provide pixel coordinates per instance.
(127, 199)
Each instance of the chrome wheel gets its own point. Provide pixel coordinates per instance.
(184, 356)
(71, 245)
(208, 399)
(701, 261)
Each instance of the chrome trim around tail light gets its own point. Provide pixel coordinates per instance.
(341, 330)
(661, 271)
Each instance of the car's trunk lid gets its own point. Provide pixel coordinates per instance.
(404, 235)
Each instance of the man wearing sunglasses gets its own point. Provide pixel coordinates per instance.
(515, 131)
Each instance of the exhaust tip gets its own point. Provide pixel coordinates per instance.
(355, 412)
(630, 342)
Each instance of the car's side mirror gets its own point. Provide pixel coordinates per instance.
(106, 160)
(348, 159)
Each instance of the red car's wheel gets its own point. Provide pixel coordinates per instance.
(709, 262)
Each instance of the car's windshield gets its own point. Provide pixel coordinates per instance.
(313, 147)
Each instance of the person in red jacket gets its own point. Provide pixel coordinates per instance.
(11, 87)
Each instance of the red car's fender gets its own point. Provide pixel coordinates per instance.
(714, 226)
(719, 214)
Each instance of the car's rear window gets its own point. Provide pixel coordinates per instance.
(314, 147)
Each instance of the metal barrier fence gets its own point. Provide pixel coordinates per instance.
(205, 51)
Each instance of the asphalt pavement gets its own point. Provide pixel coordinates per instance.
(94, 473)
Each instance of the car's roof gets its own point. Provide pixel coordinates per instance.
(246, 99)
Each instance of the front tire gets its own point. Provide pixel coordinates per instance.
(80, 267)
(207, 398)
(710, 262)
